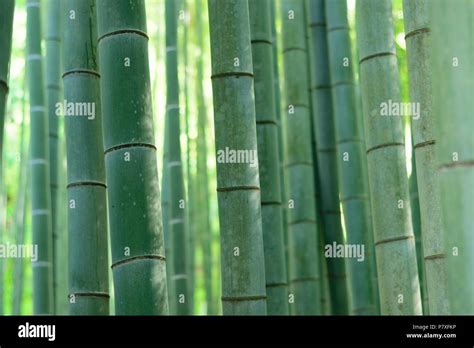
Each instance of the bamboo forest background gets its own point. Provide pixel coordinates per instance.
(193, 256)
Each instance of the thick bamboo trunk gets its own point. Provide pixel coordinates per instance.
(393, 234)
(453, 103)
(303, 239)
(269, 159)
(43, 300)
(238, 187)
(86, 186)
(138, 259)
(418, 39)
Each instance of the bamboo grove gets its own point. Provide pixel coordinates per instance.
(236, 157)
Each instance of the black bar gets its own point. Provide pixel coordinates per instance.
(138, 331)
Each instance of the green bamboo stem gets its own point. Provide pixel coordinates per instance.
(61, 245)
(281, 136)
(19, 217)
(86, 186)
(43, 300)
(324, 294)
(326, 152)
(190, 216)
(393, 233)
(138, 262)
(417, 28)
(6, 27)
(52, 39)
(243, 268)
(324, 280)
(324, 291)
(269, 160)
(452, 56)
(370, 236)
(299, 173)
(416, 220)
(350, 159)
(165, 203)
(3, 263)
(323, 264)
(176, 181)
(325, 298)
(202, 176)
(6, 30)
(20, 232)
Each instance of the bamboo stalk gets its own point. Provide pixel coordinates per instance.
(350, 159)
(165, 203)
(281, 128)
(417, 28)
(326, 152)
(416, 220)
(86, 186)
(6, 27)
(191, 215)
(452, 56)
(53, 95)
(304, 270)
(176, 181)
(202, 176)
(6, 30)
(43, 300)
(138, 261)
(61, 245)
(269, 160)
(20, 210)
(393, 232)
(243, 268)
